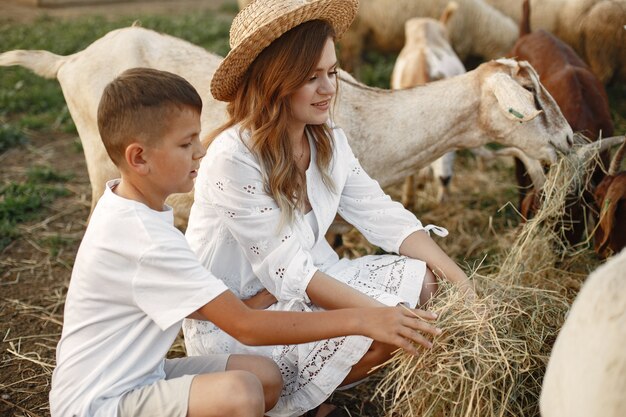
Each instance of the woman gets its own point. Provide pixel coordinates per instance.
(275, 176)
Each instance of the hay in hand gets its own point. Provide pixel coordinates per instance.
(491, 358)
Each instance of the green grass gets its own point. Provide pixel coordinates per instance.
(45, 174)
(21, 202)
(10, 136)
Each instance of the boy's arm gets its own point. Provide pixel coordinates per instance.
(397, 326)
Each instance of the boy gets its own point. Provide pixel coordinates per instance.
(135, 279)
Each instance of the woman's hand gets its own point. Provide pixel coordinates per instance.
(261, 300)
(400, 326)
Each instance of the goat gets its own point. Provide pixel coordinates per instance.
(489, 104)
(586, 372)
(610, 196)
(582, 100)
(592, 27)
(478, 30)
(427, 56)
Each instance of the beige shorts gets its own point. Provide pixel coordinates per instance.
(169, 397)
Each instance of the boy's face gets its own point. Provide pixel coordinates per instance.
(175, 158)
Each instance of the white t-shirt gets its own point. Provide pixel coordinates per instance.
(134, 280)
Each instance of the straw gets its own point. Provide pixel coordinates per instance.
(491, 358)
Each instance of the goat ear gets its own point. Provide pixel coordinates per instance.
(516, 102)
(448, 12)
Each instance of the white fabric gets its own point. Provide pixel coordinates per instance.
(233, 227)
(134, 280)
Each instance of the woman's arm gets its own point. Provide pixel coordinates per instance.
(330, 294)
(419, 245)
(398, 326)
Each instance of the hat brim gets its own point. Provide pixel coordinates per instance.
(230, 73)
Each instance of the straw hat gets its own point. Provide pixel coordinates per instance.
(262, 22)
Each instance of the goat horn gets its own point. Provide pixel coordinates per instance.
(598, 146)
(617, 159)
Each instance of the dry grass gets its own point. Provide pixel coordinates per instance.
(492, 356)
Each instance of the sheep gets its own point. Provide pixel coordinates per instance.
(592, 27)
(427, 56)
(488, 104)
(586, 372)
(610, 196)
(477, 30)
(582, 100)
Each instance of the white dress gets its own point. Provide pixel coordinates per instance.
(233, 227)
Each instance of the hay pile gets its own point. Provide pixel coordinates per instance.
(492, 356)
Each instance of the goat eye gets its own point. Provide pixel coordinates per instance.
(530, 88)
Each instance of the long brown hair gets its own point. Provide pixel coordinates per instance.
(262, 106)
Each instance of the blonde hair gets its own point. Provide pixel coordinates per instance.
(262, 107)
(138, 105)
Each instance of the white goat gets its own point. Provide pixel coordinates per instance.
(586, 373)
(427, 56)
(477, 30)
(592, 27)
(392, 132)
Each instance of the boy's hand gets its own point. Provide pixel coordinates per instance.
(401, 326)
(261, 300)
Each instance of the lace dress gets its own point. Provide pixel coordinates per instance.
(233, 228)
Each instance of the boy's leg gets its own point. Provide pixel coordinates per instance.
(200, 387)
(229, 393)
(265, 370)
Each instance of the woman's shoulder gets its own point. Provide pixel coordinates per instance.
(230, 143)
(339, 136)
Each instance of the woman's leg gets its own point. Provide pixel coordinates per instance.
(379, 353)
(429, 287)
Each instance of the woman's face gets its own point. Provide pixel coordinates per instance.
(310, 104)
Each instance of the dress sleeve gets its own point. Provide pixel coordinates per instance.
(232, 184)
(363, 203)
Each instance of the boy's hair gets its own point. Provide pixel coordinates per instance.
(137, 106)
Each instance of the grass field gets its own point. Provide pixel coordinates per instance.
(45, 200)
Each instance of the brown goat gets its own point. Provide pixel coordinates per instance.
(610, 195)
(584, 103)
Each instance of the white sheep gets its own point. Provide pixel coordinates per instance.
(476, 30)
(592, 27)
(428, 56)
(392, 132)
(586, 373)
